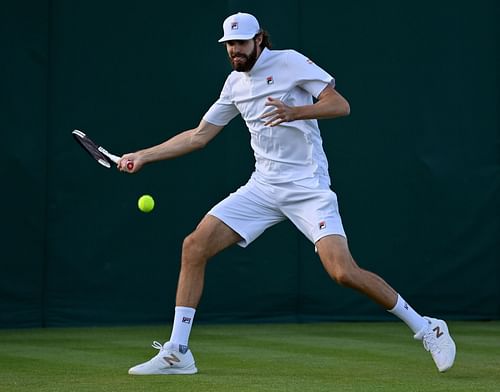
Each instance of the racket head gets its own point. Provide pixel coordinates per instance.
(92, 149)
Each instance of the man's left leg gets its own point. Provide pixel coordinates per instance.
(338, 262)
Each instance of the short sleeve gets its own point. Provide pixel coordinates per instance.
(223, 110)
(310, 77)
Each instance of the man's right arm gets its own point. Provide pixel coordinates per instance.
(180, 144)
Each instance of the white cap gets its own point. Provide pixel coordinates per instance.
(240, 26)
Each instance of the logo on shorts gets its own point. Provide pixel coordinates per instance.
(270, 80)
(322, 225)
(186, 320)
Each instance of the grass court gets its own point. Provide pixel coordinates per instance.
(264, 357)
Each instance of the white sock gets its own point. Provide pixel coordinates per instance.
(406, 313)
(183, 321)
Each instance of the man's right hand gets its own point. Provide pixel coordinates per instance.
(130, 163)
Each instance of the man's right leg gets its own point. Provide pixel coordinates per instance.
(209, 238)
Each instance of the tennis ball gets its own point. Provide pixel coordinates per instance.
(146, 203)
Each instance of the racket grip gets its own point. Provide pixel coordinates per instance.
(130, 165)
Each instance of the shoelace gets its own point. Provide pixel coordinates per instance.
(430, 342)
(157, 345)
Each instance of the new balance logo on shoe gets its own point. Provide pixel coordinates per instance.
(438, 332)
(171, 359)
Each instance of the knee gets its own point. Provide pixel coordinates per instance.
(343, 270)
(345, 277)
(193, 250)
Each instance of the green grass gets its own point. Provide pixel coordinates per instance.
(266, 357)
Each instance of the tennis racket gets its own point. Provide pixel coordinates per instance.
(100, 154)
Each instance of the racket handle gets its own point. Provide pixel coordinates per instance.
(130, 165)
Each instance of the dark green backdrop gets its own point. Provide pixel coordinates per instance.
(416, 166)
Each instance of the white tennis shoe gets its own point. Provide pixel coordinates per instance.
(437, 340)
(170, 360)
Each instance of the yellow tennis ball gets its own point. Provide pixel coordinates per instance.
(146, 203)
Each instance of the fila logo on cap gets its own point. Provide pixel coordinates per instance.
(234, 26)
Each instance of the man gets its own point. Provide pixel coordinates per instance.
(273, 91)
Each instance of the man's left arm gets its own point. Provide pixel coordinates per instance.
(330, 104)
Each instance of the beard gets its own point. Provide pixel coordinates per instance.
(242, 62)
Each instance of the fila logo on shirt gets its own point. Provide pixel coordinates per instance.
(186, 320)
(322, 225)
(270, 80)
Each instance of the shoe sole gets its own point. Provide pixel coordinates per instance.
(189, 370)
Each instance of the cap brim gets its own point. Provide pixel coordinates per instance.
(237, 37)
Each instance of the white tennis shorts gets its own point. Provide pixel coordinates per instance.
(255, 206)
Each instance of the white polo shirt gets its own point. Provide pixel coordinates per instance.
(291, 151)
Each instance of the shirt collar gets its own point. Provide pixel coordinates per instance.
(260, 60)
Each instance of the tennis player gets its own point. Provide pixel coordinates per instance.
(280, 94)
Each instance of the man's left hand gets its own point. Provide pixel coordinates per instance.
(281, 113)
